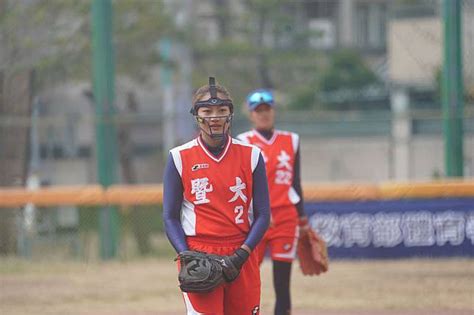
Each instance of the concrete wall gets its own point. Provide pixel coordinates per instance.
(353, 159)
(371, 158)
(415, 50)
(341, 159)
(428, 156)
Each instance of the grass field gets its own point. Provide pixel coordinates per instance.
(149, 286)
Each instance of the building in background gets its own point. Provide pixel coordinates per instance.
(334, 24)
(402, 45)
(415, 51)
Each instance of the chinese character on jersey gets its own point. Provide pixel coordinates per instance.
(283, 173)
(284, 160)
(237, 190)
(200, 187)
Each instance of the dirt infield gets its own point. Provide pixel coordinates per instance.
(146, 287)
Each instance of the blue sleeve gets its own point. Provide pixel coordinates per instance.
(297, 183)
(261, 205)
(172, 200)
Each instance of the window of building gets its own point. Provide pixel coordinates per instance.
(320, 9)
(370, 25)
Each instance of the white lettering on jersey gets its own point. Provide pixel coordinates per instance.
(284, 160)
(283, 173)
(200, 187)
(237, 190)
(283, 177)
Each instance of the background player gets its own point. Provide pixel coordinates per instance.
(214, 207)
(282, 157)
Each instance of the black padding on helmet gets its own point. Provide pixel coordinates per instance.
(213, 100)
(212, 87)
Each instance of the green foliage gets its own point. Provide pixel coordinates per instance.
(348, 83)
(347, 70)
(345, 79)
(266, 48)
(54, 38)
(138, 26)
(263, 46)
(303, 98)
(49, 38)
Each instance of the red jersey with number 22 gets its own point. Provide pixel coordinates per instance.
(279, 153)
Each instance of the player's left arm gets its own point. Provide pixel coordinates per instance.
(297, 183)
(261, 205)
(303, 219)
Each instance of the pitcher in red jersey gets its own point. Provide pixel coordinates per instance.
(280, 150)
(215, 200)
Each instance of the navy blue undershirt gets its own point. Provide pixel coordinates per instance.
(173, 198)
(268, 134)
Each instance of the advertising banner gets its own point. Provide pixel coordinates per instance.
(395, 228)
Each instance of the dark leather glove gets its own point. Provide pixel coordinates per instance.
(200, 272)
(232, 264)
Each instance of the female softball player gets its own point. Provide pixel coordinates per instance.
(216, 201)
(281, 153)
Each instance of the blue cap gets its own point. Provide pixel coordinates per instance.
(260, 96)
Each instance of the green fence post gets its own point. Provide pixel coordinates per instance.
(104, 97)
(452, 89)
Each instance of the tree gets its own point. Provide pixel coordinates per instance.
(347, 70)
(266, 46)
(15, 100)
(348, 83)
(54, 39)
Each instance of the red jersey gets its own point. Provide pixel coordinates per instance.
(279, 154)
(217, 191)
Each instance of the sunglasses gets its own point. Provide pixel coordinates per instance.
(260, 97)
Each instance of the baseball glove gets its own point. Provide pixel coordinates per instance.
(232, 264)
(200, 272)
(312, 252)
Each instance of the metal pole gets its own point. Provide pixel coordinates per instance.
(33, 182)
(185, 129)
(166, 79)
(106, 138)
(452, 89)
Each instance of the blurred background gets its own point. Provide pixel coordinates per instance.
(97, 92)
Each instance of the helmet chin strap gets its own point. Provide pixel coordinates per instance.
(215, 136)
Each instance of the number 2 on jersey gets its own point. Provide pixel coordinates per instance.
(239, 211)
